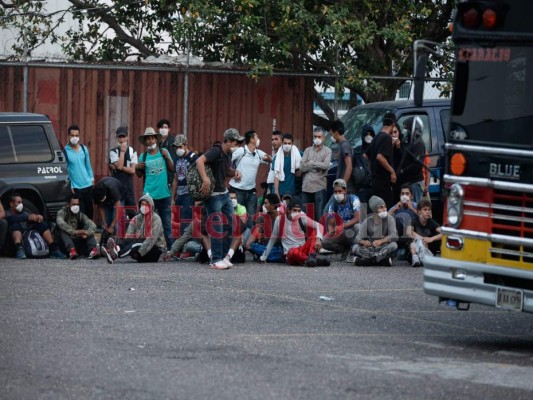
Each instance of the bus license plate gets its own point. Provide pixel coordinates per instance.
(509, 299)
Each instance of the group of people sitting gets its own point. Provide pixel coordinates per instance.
(217, 228)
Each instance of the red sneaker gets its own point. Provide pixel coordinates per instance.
(94, 253)
(187, 256)
(73, 254)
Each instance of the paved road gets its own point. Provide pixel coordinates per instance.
(90, 330)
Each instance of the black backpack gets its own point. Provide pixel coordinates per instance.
(361, 176)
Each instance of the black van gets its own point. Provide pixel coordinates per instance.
(434, 114)
(32, 163)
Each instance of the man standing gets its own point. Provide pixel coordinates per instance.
(80, 171)
(122, 161)
(379, 155)
(180, 191)
(314, 166)
(219, 205)
(344, 155)
(277, 137)
(286, 165)
(246, 160)
(154, 164)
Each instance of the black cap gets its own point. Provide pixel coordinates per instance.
(294, 202)
(122, 131)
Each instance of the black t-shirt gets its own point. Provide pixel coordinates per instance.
(220, 163)
(113, 190)
(428, 230)
(382, 144)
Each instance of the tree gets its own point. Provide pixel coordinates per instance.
(343, 42)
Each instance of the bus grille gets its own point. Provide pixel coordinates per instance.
(512, 215)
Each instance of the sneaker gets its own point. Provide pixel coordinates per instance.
(73, 254)
(387, 262)
(416, 262)
(111, 248)
(323, 261)
(350, 259)
(311, 260)
(94, 254)
(186, 256)
(57, 255)
(227, 261)
(108, 257)
(362, 262)
(21, 254)
(219, 265)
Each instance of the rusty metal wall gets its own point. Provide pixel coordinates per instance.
(100, 98)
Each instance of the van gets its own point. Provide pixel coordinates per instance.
(32, 163)
(435, 116)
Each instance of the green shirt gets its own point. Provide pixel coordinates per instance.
(240, 210)
(156, 181)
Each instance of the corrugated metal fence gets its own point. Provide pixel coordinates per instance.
(99, 98)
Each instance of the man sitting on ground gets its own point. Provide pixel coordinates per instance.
(376, 240)
(425, 233)
(301, 237)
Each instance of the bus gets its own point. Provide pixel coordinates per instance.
(487, 246)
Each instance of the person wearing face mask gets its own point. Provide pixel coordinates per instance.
(314, 166)
(240, 231)
(144, 240)
(262, 230)
(286, 166)
(277, 138)
(19, 221)
(301, 237)
(80, 171)
(342, 221)
(122, 161)
(76, 230)
(361, 176)
(166, 142)
(376, 241)
(154, 165)
(247, 160)
(180, 191)
(404, 212)
(219, 202)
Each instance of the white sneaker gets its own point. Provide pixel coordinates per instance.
(219, 265)
(227, 261)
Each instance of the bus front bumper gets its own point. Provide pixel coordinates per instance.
(471, 282)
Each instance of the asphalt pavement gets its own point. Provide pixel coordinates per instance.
(86, 329)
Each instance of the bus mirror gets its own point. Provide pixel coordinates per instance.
(420, 74)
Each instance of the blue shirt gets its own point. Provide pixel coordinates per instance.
(79, 167)
(348, 209)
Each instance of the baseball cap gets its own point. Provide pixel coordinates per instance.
(340, 182)
(122, 131)
(180, 139)
(233, 134)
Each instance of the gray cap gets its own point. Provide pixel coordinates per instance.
(375, 202)
(233, 134)
(180, 139)
(340, 182)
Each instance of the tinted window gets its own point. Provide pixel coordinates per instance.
(24, 144)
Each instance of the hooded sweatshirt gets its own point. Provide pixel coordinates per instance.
(149, 227)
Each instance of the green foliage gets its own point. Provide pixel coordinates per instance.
(347, 41)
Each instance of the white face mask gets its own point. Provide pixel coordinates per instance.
(163, 131)
(339, 197)
(287, 147)
(75, 209)
(257, 143)
(74, 140)
(317, 142)
(295, 215)
(368, 139)
(404, 199)
(180, 152)
(383, 214)
(144, 210)
(152, 146)
(19, 207)
(264, 209)
(234, 202)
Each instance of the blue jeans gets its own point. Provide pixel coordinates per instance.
(417, 191)
(249, 201)
(162, 207)
(318, 199)
(220, 232)
(184, 201)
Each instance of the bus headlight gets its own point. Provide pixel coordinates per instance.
(455, 205)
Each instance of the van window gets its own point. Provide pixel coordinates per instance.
(426, 135)
(24, 144)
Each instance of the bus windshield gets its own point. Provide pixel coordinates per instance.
(493, 101)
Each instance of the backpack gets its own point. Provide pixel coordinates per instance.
(34, 245)
(84, 148)
(360, 172)
(195, 182)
